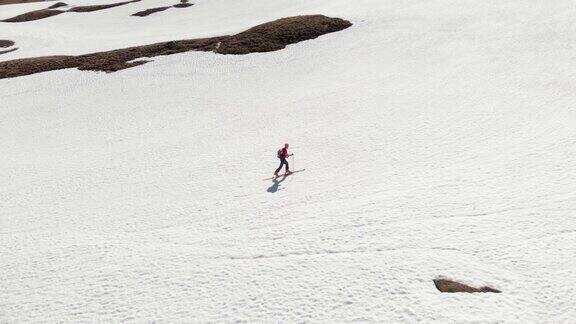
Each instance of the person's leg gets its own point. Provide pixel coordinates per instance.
(280, 167)
(287, 166)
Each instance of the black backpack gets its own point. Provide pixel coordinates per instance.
(279, 154)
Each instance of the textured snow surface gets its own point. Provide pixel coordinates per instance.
(439, 139)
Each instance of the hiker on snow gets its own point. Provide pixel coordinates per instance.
(282, 155)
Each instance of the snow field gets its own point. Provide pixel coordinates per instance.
(438, 139)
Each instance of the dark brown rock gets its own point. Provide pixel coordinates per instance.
(5, 2)
(183, 5)
(277, 34)
(58, 5)
(4, 43)
(100, 7)
(8, 51)
(267, 37)
(34, 15)
(150, 11)
(450, 286)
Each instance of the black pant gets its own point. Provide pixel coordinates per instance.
(283, 162)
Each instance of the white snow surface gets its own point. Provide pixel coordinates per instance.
(438, 137)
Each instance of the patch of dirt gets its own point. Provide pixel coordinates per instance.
(49, 12)
(9, 69)
(276, 35)
(144, 13)
(100, 7)
(6, 43)
(267, 37)
(450, 286)
(183, 5)
(34, 15)
(58, 5)
(150, 11)
(5, 2)
(8, 51)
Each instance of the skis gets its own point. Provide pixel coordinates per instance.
(284, 174)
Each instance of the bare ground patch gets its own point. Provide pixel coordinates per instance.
(58, 5)
(34, 15)
(50, 11)
(100, 7)
(276, 35)
(8, 51)
(6, 2)
(4, 43)
(450, 286)
(147, 12)
(150, 11)
(183, 5)
(267, 37)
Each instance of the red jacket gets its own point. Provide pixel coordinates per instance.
(284, 153)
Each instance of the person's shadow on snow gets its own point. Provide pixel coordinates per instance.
(276, 186)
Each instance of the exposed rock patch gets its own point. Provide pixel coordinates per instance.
(183, 5)
(144, 13)
(34, 15)
(4, 43)
(5, 2)
(58, 5)
(276, 35)
(267, 37)
(150, 11)
(50, 11)
(100, 7)
(450, 286)
(8, 51)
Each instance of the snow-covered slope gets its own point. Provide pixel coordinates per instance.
(438, 139)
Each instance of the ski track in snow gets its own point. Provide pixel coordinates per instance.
(438, 139)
